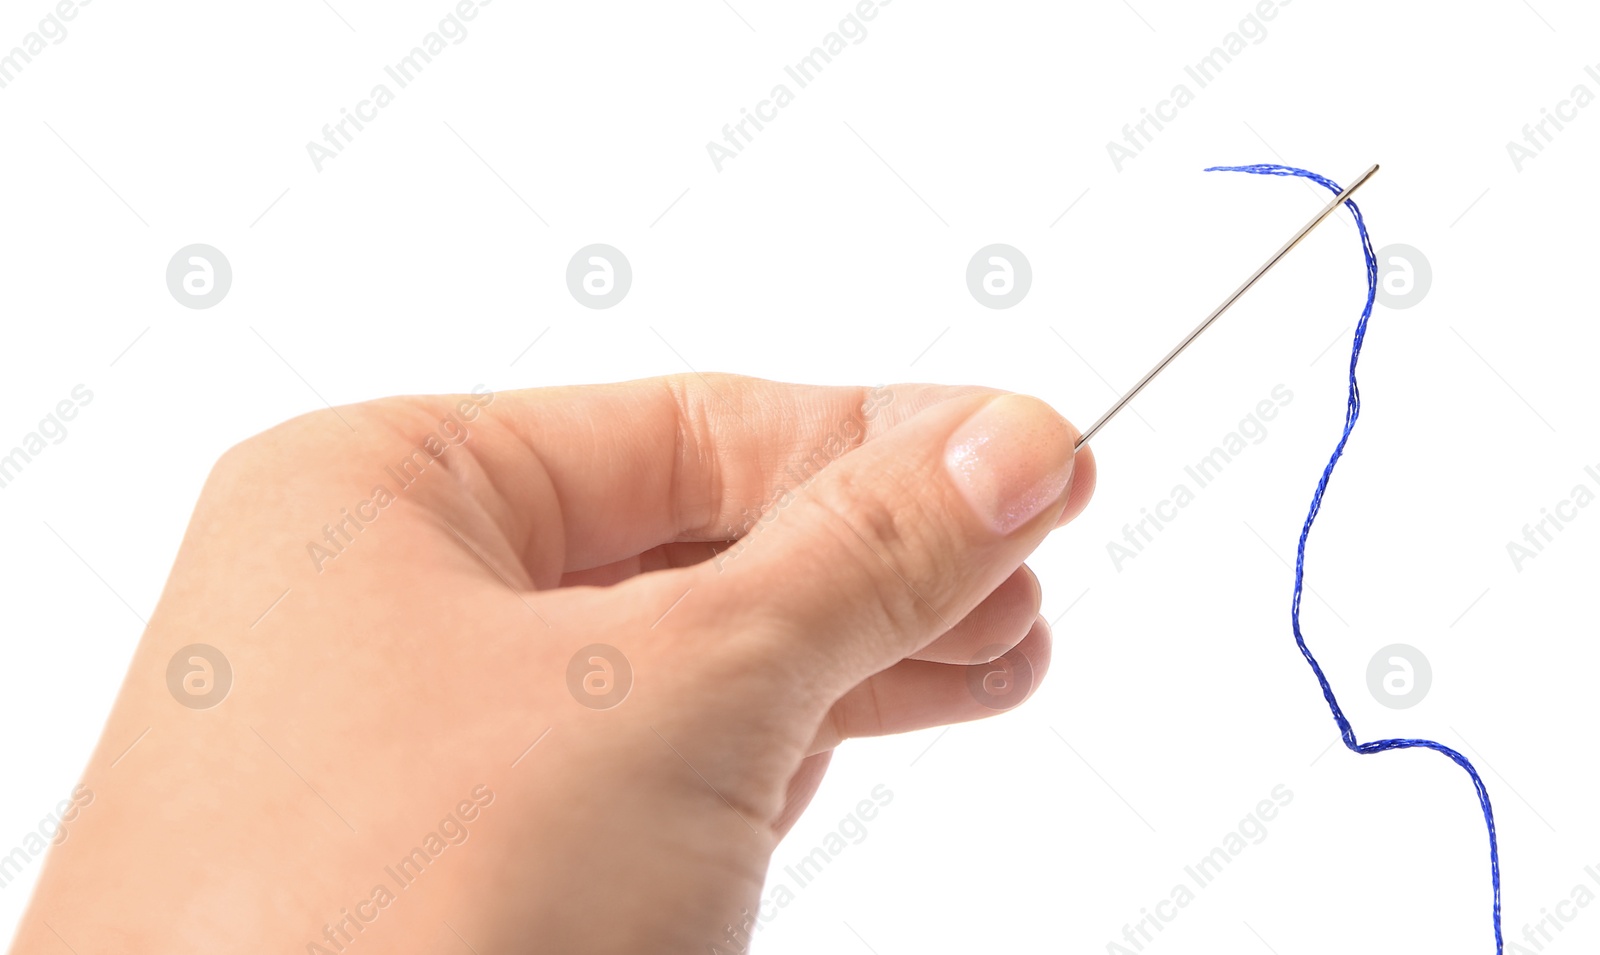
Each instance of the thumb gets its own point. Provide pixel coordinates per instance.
(891, 544)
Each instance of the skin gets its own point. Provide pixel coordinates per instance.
(402, 681)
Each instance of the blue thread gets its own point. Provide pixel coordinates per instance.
(1352, 411)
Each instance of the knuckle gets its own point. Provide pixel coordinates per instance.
(332, 447)
(696, 480)
(901, 552)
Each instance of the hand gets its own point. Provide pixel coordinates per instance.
(556, 668)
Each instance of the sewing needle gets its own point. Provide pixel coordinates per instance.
(1163, 363)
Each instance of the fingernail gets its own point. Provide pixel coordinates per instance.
(1011, 460)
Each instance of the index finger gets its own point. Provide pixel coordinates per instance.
(607, 471)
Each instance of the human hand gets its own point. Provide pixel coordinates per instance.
(587, 650)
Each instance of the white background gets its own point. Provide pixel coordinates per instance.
(834, 250)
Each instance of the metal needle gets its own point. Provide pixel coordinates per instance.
(1163, 363)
